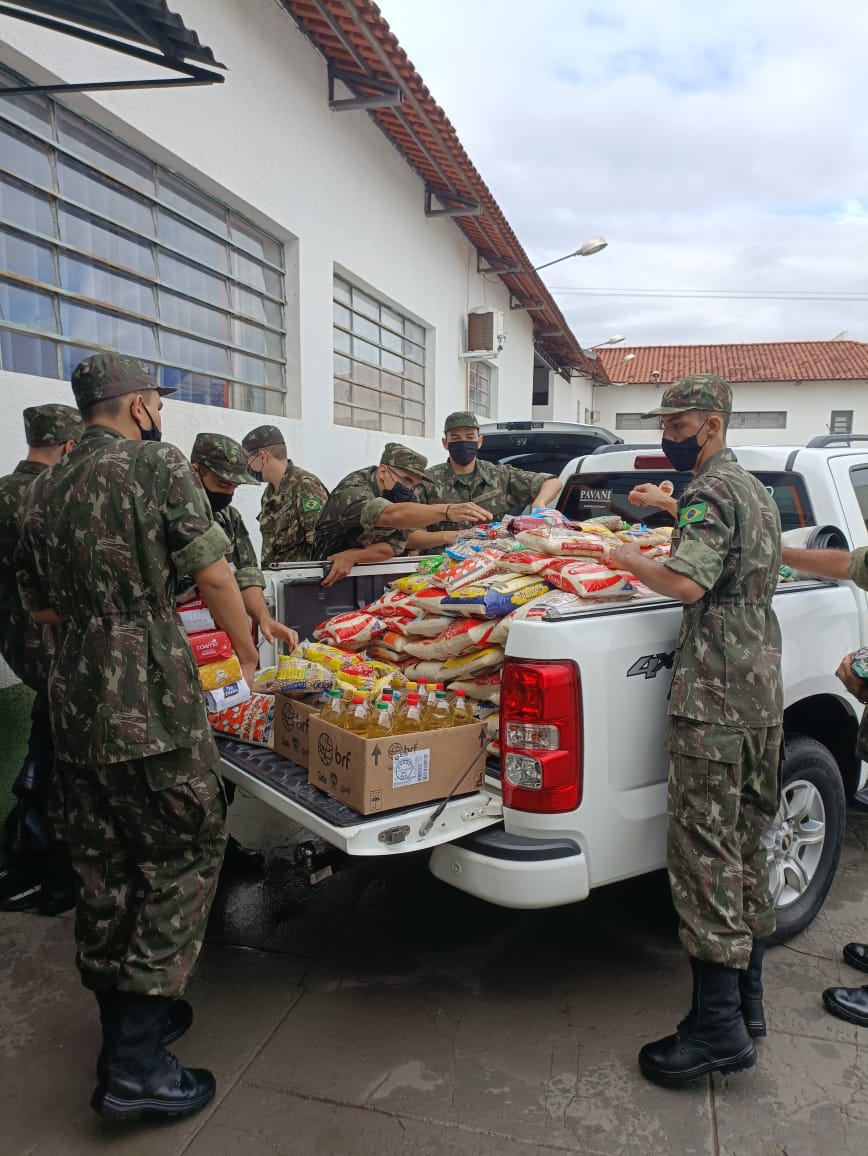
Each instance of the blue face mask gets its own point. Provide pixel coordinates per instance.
(153, 434)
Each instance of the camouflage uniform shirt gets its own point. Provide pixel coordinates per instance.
(26, 646)
(105, 534)
(289, 516)
(728, 660)
(241, 556)
(494, 487)
(348, 517)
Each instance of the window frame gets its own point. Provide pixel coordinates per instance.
(244, 244)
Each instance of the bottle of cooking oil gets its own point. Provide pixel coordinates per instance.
(382, 724)
(462, 711)
(410, 718)
(440, 713)
(427, 697)
(334, 710)
(358, 716)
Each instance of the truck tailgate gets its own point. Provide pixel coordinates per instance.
(283, 786)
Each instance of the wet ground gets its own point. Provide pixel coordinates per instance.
(382, 1013)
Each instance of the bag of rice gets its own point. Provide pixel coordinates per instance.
(470, 570)
(535, 609)
(524, 562)
(426, 625)
(642, 536)
(588, 580)
(462, 635)
(424, 671)
(461, 549)
(496, 596)
(392, 604)
(384, 653)
(564, 543)
(430, 598)
(483, 688)
(353, 630)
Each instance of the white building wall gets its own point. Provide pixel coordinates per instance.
(807, 404)
(266, 144)
(568, 400)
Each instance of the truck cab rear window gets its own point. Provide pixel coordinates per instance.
(591, 495)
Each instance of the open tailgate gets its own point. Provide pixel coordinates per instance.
(283, 786)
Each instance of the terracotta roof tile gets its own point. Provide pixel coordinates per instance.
(772, 361)
(353, 36)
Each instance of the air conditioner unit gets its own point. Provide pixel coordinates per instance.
(486, 332)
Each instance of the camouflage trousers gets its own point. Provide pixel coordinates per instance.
(724, 790)
(146, 839)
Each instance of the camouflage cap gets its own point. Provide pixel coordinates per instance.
(261, 437)
(52, 425)
(404, 458)
(107, 375)
(699, 391)
(461, 419)
(223, 456)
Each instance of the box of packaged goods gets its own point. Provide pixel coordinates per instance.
(291, 724)
(400, 770)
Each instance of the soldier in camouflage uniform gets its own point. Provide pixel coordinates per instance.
(105, 534)
(465, 477)
(293, 500)
(847, 1003)
(370, 512)
(725, 732)
(221, 466)
(38, 874)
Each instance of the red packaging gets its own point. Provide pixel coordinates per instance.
(210, 646)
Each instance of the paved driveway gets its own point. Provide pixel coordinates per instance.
(384, 1014)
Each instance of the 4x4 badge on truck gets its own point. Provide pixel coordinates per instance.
(651, 664)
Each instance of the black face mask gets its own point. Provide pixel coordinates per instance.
(152, 434)
(400, 493)
(218, 501)
(683, 454)
(462, 453)
(256, 475)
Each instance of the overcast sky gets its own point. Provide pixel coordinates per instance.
(717, 146)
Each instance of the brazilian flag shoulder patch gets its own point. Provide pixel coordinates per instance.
(311, 504)
(690, 515)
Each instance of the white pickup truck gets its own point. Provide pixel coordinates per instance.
(597, 680)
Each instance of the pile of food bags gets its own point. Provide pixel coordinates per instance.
(448, 623)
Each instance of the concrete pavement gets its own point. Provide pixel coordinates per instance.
(383, 1014)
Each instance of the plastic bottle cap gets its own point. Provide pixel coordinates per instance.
(441, 693)
(382, 706)
(461, 694)
(357, 700)
(412, 699)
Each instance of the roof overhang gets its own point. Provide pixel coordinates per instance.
(143, 29)
(363, 54)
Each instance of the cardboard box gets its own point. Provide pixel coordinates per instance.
(291, 719)
(372, 775)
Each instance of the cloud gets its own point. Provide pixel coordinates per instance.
(715, 146)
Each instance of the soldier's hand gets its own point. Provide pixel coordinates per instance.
(647, 495)
(468, 512)
(342, 563)
(272, 630)
(858, 687)
(624, 557)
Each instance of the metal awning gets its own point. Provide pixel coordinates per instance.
(143, 29)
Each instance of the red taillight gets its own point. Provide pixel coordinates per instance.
(541, 735)
(652, 462)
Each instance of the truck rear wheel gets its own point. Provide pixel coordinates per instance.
(805, 839)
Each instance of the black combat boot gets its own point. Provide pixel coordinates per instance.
(241, 862)
(848, 1003)
(179, 1020)
(714, 1039)
(138, 1077)
(856, 954)
(750, 985)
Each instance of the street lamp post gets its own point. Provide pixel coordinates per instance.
(587, 250)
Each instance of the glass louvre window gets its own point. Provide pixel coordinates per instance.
(101, 249)
(479, 388)
(379, 364)
(841, 421)
(634, 421)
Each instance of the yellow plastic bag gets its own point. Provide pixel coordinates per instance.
(215, 675)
